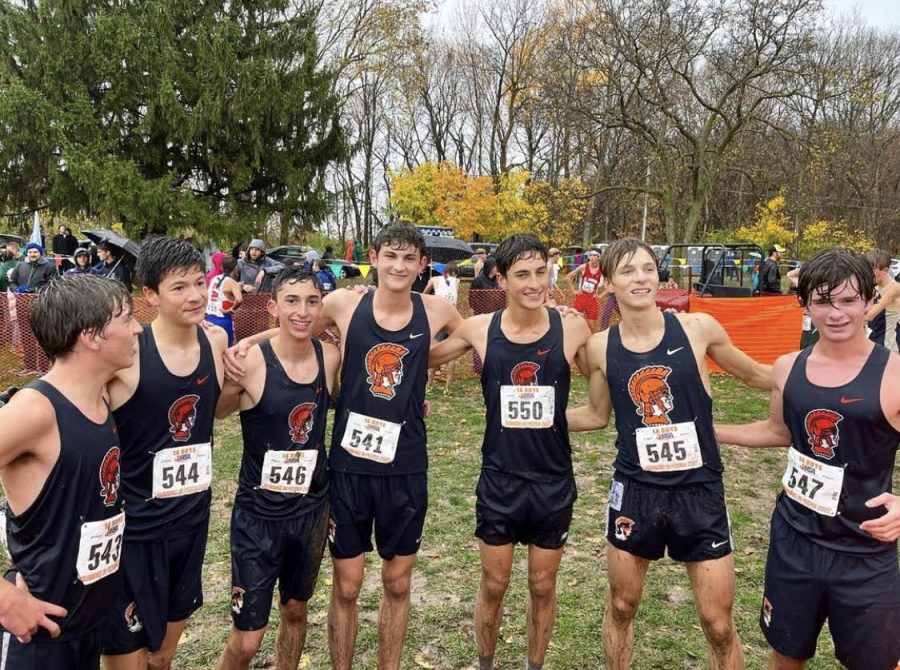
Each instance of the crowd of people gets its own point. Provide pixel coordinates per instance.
(106, 462)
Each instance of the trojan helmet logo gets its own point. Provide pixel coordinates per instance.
(624, 526)
(301, 422)
(651, 394)
(822, 431)
(133, 618)
(525, 374)
(182, 415)
(109, 477)
(384, 363)
(237, 599)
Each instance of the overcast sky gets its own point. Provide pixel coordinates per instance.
(880, 13)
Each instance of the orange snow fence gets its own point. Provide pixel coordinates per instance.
(765, 327)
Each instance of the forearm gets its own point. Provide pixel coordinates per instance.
(261, 337)
(756, 434)
(584, 418)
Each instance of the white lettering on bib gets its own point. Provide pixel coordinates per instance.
(100, 548)
(669, 447)
(527, 406)
(371, 438)
(288, 471)
(181, 471)
(813, 484)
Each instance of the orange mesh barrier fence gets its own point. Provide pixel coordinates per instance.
(764, 327)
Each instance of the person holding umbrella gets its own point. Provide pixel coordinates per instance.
(111, 264)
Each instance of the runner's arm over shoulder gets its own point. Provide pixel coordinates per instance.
(595, 414)
(720, 347)
(459, 342)
(332, 356)
(229, 398)
(442, 313)
(770, 432)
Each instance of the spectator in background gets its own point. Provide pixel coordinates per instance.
(590, 278)
(754, 276)
(225, 296)
(216, 260)
(329, 253)
(256, 271)
(7, 263)
(65, 244)
(479, 261)
(82, 264)
(33, 272)
(482, 300)
(325, 275)
(445, 286)
(112, 265)
(14, 248)
(553, 271)
(770, 275)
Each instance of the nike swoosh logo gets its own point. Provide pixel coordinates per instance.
(847, 401)
(673, 351)
(412, 337)
(716, 545)
(200, 380)
(543, 352)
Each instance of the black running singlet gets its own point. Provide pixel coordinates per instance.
(284, 468)
(67, 544)
(842, 455)
(379, 425)
(663, 412)
(166, 433)
(526, 393)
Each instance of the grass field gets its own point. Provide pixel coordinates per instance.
(440, 631)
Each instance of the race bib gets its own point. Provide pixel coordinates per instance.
(181, 471)
(813, 484)
(807, 322)
(669, 448)
(589, 285)
(527, 406)
(371, 438)
(100, 548)
(288, 471)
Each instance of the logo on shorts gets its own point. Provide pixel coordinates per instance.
(624, 526)
(133, 618)
(237, 599)
(300, 421)
(332, 530)
(109, 477)
(767, 612)
(822, 431)
(384, 363)
(182, 416)
(525, 374)
(651, 394)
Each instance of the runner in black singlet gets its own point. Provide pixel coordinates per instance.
(280, 519)
(164, 408)
(60, 469)
(833, 545)
(527, 486)
(666, 496)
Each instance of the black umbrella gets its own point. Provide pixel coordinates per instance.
(103, 235)
(445, 249)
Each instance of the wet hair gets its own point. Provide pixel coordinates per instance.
(397, 234)
(452, 269)
(69, 306)
(830, 268)
(621, 250)
(161, 256)
(229, 263)
(516, 248)
(295, 274)
(878, 258)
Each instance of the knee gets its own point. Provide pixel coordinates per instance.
(346, 589)
(244, 647)
(396, 586)
(293, 613)
(494, 585)
(542, 587)
(720, 631)
(622, 606)
(160, 660)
